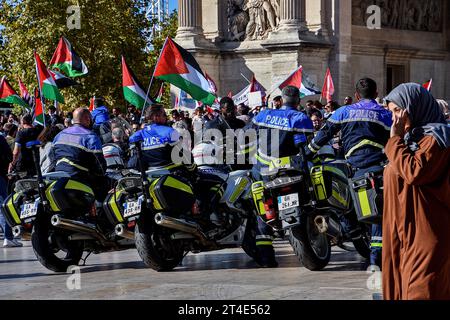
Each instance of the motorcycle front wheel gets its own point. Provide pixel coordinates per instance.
(155, 247)
(312, 248)
(46, 246)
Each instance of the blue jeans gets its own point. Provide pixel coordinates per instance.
(3, 194)
(376, 242)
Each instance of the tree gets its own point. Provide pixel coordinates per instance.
(108, 30)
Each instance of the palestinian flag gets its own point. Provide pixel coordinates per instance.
(62, 81)
(24, 94)
(67, 61)
(132, 89)
(39, 117)
(47, 84)
(427, 85)
(294, 79)
(178, 67)
(8, 95)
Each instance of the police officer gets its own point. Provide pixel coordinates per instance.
(158, 139)
(365, 128)
(292, 128)
(78, 151)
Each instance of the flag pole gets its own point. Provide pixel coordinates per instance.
(40, 89)
(151, 82)
(245, 78)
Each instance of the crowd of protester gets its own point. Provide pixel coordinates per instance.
(116, 125)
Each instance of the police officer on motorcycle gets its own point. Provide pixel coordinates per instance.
(158, 139)
(365, 128)
(292, 128)
(78, 152)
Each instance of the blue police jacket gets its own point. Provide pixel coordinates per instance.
(365, 129)
(291, 125)
(100, 115)
(157, 144)
(78, 151)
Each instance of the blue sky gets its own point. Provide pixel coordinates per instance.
(173, 4)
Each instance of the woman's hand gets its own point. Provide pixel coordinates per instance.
(399, 123)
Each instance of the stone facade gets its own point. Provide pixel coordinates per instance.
(271, 38)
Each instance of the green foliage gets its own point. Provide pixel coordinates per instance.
(109, 29)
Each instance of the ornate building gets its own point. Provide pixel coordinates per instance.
(271, 38)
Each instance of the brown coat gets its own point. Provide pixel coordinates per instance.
(416, 222)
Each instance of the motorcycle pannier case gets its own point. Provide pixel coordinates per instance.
(331, 187)
(172, 194)
(70, 196)
(11, 208)
(114, 206)
(367, 194)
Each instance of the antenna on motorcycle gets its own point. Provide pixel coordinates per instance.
(34, 146)
(136, 140)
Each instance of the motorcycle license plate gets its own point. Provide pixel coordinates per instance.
(287, 202)
(132, 208)
(28, 210)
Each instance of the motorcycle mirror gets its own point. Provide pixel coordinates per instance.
(31, 144)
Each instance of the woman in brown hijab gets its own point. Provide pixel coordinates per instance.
(416, 221)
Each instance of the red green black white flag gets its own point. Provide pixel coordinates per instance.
(47, 84)
(9, 95)
(39, 117)
(67, 61)
(178, 67)
(132, 89)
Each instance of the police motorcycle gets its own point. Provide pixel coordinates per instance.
(61, 217)
(313, 205)
(172, 213)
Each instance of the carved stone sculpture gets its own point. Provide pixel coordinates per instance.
(260, 17)
(414, 15)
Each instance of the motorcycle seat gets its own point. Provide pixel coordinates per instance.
(53, 176)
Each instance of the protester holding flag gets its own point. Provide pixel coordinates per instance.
(22, 157)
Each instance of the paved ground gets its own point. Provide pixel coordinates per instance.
(227, 274)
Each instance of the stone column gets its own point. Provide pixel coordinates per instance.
(325, 18)
(189, 18)
(292, 15)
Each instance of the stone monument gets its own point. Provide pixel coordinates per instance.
(235, 39)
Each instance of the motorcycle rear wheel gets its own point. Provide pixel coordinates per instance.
(155, 247)
(312, 248)
(249, 243)
(45, 247)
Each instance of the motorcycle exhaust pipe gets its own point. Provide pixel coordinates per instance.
(321, 224)
(180, 225)
(18, 231)
(328, 226)
(77, 226)
(122, 232)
